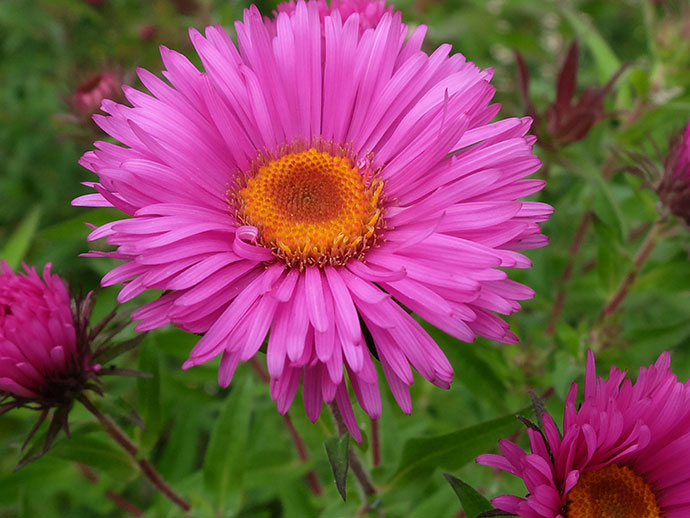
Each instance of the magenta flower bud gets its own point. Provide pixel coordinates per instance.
(50, 355)
(674, 189)
(39, 357)
(88, 97)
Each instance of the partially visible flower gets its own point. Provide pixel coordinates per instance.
(669, 175)
(565, 122)
(622, 453)
(47, 358)
(370, 12)
(674, 188)
(87, 98)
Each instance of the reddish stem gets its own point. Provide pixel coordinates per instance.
(311, 477)
(259, 369)
(640, 258)
(126, 444)
(575, 246)
(119, 500)
(375, 444)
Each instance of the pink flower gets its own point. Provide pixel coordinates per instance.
(622, 453)
(317, 181)
(38, 342)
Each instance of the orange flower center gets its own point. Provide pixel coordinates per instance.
(612, 492)
(312, 207)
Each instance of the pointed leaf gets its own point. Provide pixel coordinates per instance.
(567, 78)
(523, 79)
(18, 243)
(336, 449)
(148, 394)
(605, 59)
(453, 450)
(226, 455)
(472, 502)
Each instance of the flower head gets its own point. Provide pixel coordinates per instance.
(622, 453)
(316, 180)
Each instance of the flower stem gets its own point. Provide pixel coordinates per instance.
(358, 470)
(607, 170)
(640, 258)
(375, 443)
(126, 444)
(119, 500)
(311, 477)
(302, 453)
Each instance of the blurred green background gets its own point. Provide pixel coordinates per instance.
(229, 451)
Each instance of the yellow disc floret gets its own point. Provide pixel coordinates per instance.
(612, 492)
(312, 207)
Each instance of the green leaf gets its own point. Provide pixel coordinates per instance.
(606, 207)
(608, 258)
(18, 243)
(606, 60)
(472, 502)
(471, 369)
(295, 499)
(98, 453)
(336, 449)
(225, 460)
(148, 394)
(453, 450)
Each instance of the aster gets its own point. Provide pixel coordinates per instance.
(316, 183)
(622, 453)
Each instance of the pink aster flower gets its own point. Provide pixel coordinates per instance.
(309, 186)
(38, 341)
(622, 453)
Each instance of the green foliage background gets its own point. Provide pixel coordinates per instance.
(228, 451)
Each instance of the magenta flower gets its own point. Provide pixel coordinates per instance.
(39, 359)
(315, 181)
(621, 454)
